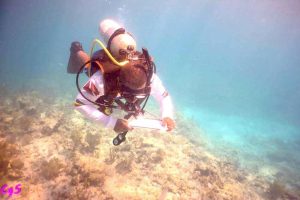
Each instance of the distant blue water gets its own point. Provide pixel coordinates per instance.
(233, 66)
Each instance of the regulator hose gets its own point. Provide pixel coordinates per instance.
(78, 88)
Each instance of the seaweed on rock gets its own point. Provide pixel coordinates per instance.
(124, 167)
(112, 157)
(278, 190)
(51, 169)
(10, 165)
(93, 140)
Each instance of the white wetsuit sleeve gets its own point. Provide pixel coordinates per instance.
(160, 94)
(93, 89)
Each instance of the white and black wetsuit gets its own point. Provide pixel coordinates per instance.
(94, 88)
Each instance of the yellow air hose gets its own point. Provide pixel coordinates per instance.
(96, 41)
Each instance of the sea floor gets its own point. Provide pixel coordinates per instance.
(267, 147)
(54, 153)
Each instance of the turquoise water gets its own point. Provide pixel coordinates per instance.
(232, 66)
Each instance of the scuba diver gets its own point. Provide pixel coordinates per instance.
(120, 77)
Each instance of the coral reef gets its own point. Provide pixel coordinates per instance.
(56, 154)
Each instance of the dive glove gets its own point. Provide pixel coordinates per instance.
(122, 126)
(167, 121)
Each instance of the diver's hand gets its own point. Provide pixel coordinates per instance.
(122, 126)
(170, 123)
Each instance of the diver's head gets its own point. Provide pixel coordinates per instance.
(119, 42)
(133, 78)
(133, 82)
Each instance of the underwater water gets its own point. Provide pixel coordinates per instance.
(231, 67)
